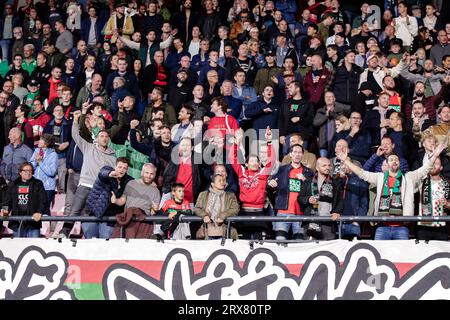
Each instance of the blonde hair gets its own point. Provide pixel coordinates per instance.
(344, 121)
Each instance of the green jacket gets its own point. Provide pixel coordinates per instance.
(263, 78)
(170, 117)
(84, 93)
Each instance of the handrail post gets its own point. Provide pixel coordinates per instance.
(228, 228)
(340, 229)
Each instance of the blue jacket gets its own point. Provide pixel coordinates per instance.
(355, 194)
(374, 164)
(74, 157)
(288, 8)
(359, 146)
(197, 63)
(12, 159)
(47, 170)
(99, 197)
(65, 134)
(260, 118)
(118, 94)
(248, 95)
(131, 83)
(172, 62)
(282, 191)
(202, 79)
(86, 27)
(235, 106)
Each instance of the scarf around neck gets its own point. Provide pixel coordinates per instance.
(214, 205)
(391, 200)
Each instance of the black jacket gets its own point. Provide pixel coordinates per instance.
(290, 109)
(171, 172)
(282, 191)
(345, 84)
(337, 203)
(37, 204)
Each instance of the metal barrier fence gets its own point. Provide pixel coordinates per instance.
(230, 220)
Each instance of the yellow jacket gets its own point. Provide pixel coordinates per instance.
(127, 28)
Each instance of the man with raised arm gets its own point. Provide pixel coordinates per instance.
(395, 191)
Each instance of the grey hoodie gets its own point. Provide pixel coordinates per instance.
(94, 158)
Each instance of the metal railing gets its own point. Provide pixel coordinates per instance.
(230, 220)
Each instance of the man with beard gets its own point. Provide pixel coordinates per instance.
(180, 93)
(197, 104)
(430, 103)
(158, 149)
(142, 193)
(395, 101)
(434, 201)
(95, 155)
(431, 79)
(322, 196)
(41, 73)
(395, 192)
(441, 130)
(157, 102)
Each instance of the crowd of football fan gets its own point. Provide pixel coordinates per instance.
(225, 108)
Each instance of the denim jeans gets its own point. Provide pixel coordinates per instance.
(285, 226)
(5, 45)
(50, 198)
(97, 230)
(323, 153)
(350, 230)
(27, 232)
(392, 233)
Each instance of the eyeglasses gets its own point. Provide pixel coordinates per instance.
(29, 170)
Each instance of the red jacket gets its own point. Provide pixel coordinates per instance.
(225, 125)
(315, 91)
(53, 89)
(252, 184)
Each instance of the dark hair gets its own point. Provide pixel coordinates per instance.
(442, 108)
(314, 26)
(387, 137)
(123, 160)
(333, 47)
(291, 148)
(221, 102)
(189, 110)
(237, 71)
(48, 140)
(176, 185)
(18, 55)
(24, 108)
(214, 176)
(445, 57)
(26, 164)
(49, 42)
(164, 126)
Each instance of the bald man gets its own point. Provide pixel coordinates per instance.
(14, 155)
(322, 197)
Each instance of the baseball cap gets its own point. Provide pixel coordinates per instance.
(365, 86)
(33, 83)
